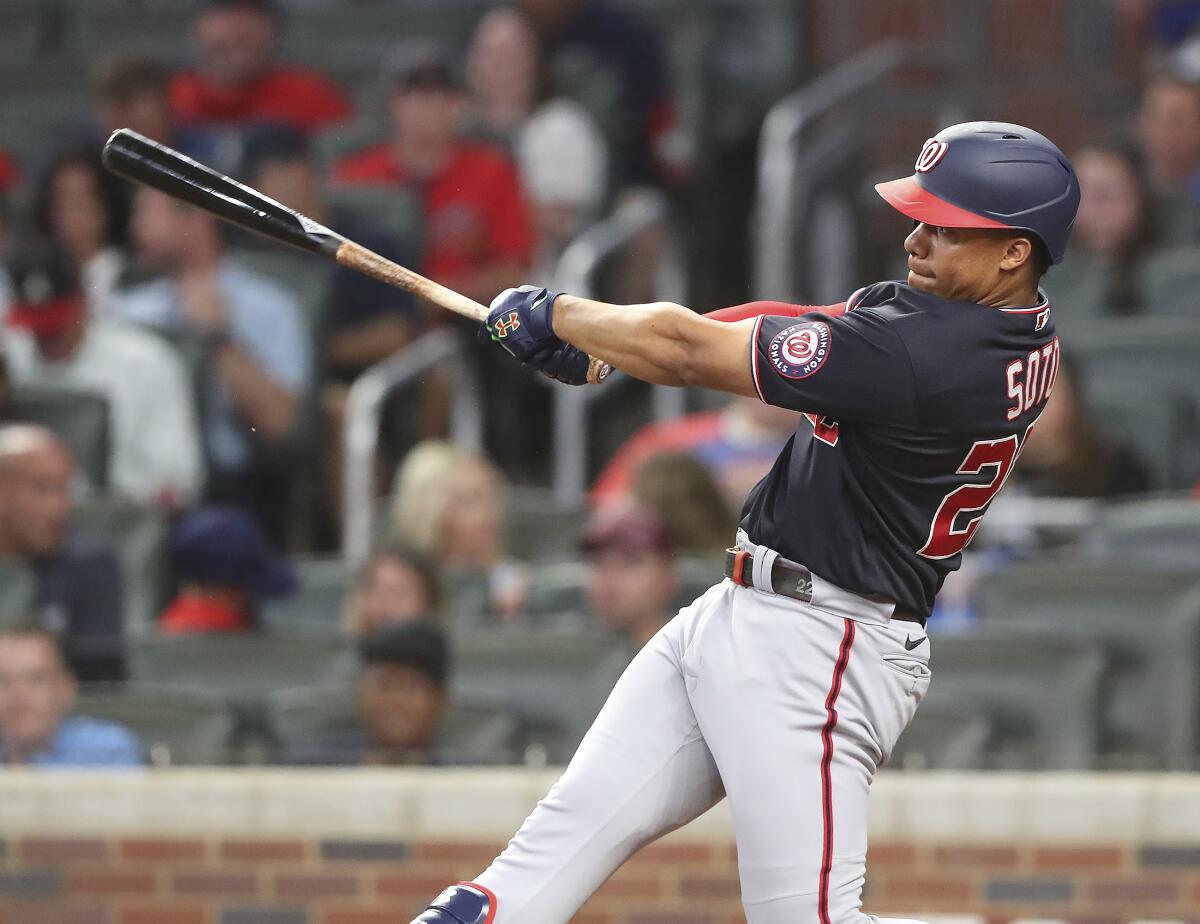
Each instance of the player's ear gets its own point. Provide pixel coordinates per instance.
(1017, 253)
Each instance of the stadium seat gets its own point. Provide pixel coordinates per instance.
(1040, 694)
(1170, 281)
(940, 739)
(537, 527)
(79, 418)
(307, 279)
(1158, 357)
(317, 604)
(558, 588)
(554, 681)
(137, 533)
(18, 591)
(1147, 622)
(1161, 432)
(240, 667)
(1160, 532)
(301, 719)
(176, 727)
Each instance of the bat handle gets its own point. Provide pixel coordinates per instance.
(356, 257)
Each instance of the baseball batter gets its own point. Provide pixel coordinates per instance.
(786, 686)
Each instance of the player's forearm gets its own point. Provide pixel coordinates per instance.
(641, 340)
(661, 343)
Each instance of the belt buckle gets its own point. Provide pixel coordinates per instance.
(737, 571)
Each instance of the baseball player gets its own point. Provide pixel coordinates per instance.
(786, 686)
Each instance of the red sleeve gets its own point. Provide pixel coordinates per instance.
(510, 226)
(9, 174)
(774, 309)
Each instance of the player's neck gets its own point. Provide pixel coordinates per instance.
(1012, 294)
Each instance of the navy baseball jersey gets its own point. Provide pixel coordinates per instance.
(915, 410)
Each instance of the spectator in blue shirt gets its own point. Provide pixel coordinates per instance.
(250, 339)
(78, 586)
(37, 694)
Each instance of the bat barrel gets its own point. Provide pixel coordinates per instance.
(138, 158)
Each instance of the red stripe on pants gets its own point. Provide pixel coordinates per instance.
(835, 688)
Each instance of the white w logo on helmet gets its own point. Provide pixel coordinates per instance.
(931, 155)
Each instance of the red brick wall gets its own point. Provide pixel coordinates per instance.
(131, 880)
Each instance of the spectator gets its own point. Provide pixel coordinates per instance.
(401, 698)
(592, 34)
(10, 176)
(632, 575)
(1067, 455)
(225, 568)
(1113, 231)
(154, 444)
(448, 504)
(237, 80)
(738, 444)
(367, 321)
(560, 151)
(478, 235)
(78, 585)
(37, 694)
(681, 491)
(396, 585)
(132, 91)
(84, 209)
(1168, 127)
(255, 365)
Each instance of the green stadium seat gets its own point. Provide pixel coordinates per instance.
(303, 719)
(554, 681)
(1148, 624)
(176, 728)
(557, 588)
(538, 528)
(79, 418)
(1158, 532)
(137, 533)
(1161, 432)
(306, 278)
(1171, 278)
(240, 667)
(942, 740)
(396, 212)
(18, 590)
(318, 602)
(1040, 694)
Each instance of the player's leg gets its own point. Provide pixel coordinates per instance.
(642, 770)
(799, 708)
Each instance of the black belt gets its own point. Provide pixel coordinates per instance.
(792, 581)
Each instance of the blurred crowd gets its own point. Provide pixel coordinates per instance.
(184, 387)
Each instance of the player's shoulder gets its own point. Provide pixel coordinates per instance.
(895, 300)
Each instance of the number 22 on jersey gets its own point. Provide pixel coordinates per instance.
(946, 536)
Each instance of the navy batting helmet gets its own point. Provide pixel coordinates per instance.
(991, 175)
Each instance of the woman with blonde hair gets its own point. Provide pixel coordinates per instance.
(448, 504)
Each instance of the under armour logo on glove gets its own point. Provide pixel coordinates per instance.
(521, 321)
(505, 326)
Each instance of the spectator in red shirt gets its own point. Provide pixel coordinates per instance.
(237, 80)
(9, 175)
(478, 233)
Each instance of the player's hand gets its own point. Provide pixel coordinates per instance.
(563, 362)
(520, 321)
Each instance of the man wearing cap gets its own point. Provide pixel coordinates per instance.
(786, 686)
(632, 577)
(400, 695)
(55, 343)
(237, 81)
(478, 232)
(225, 567)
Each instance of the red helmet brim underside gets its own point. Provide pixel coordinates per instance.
(910, 198)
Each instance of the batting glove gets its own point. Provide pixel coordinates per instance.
(520, 321)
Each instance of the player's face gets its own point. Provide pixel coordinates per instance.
(963, 264)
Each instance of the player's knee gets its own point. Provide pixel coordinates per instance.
(460, 904)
